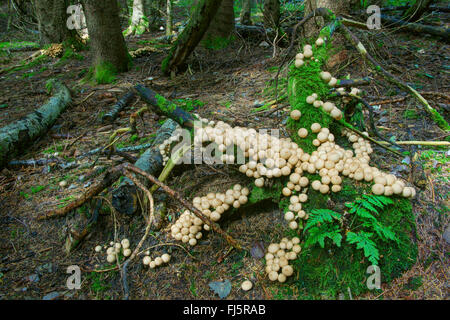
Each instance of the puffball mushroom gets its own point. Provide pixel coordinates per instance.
(333, 82)
(315, 127)
(98, 248)
(310, 99)
(111, 258)
(63, 184)
(326, 76)
(378, 189)
(273, 276)
(336, 113)
(125, 243)
(299, 63)
(296, 114)
(127, 252)
(287, 270)
(302, 133)
(308, 53)
(319, 41)
(246, 285)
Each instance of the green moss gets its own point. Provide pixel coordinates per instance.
(105, 73)
(303, 82)
(324, 273)
(217, 43)
(164, 104)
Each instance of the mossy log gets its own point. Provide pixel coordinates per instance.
(164, 107)
(124, 197)
(17, 136)
(326, 272)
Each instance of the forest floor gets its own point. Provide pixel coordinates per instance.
(219, 85)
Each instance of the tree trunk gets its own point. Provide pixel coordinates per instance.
(221, 26)
(139, 22)
(107, 42)
(52, 21)
(169, 18)
(314, 25)
(16, 136)
(191, 36)
(246, 13)
(271, 14)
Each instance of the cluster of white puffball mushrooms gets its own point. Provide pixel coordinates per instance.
(278, 256)
(188, 227)
(114, 249)
(147, 260)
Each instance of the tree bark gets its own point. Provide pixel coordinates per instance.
(139, 22)
(191, 36)
(169, 18)
(222, 25)
(52, 21)
(246, 13)
(16, 136)
(271, 13)
(107, 42)
(314, 25)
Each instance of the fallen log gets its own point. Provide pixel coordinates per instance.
(17, 136)
(124, 197)
(164, 107)
(119, 106)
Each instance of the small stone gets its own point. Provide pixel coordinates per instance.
(63, 184)
(264, 44)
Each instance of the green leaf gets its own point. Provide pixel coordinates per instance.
(321, 216)
(363, 241)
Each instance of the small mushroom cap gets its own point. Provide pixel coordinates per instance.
(165, 257)
(246, 285)
(273, 276)
(287, 270)
(127, 252)
(296, 114)
(111, 258)
(378, 189)
(146, 260)
(281, 278)
(98, 248)
(125, 243)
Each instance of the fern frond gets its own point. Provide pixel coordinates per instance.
(363, 213)
(384, 232)
(319, 234)
(363, 241)
(321, 216)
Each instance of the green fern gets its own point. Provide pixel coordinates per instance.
(363, 241)
(318, 216)
(319, 234)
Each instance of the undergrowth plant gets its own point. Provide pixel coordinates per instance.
(359, 226)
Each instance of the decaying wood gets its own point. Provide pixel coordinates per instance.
(124, 197)
(165, 108)
(413, 27)
(119, 106)
(17, 136)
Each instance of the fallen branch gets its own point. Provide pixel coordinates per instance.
(420, 143)
(15, 137)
